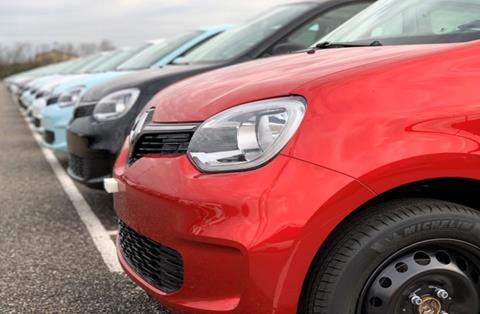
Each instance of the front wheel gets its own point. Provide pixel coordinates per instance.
(408, 257)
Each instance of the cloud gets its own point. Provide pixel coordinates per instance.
(125, 22)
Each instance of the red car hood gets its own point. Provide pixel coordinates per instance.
(198, 98)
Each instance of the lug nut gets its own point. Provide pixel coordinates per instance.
(416, 300)
(442, 293)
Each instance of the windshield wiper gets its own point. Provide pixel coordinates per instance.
(329, 45)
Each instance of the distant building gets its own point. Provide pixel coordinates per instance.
(53, 56)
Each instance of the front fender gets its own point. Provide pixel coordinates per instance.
(336, 206)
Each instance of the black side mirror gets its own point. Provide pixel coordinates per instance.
(285, 48)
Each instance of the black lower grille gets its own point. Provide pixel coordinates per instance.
(48, 137)
(161, 266)
(76, 166)
(37, 123)
(22, 104)
(83, 111)
(161, 144)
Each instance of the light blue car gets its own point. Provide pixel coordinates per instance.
(96, 72)
(44, 92)
(75, 69)
(17, 82)
(60, 107)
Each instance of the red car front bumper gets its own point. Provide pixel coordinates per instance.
(247, 239)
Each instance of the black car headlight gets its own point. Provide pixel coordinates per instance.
(71, 97)
(115, 105)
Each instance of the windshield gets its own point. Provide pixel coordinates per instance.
(117, 59)
(412, 22)
(155, 53)
(62, 66)
(237, 41)
(77, 65)
(94, 64)
(55, 68)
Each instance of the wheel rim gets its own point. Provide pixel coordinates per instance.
(432, 277)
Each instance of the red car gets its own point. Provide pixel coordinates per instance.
(340, 180)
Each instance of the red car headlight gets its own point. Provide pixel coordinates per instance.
(247, 136)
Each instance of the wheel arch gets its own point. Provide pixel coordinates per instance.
(460, 190)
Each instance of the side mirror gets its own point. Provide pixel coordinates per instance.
(285, 48)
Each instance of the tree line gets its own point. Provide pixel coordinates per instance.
(24, 56)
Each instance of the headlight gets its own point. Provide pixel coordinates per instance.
(115, 105)
(41, 94)
(71, 97)
(247, 136)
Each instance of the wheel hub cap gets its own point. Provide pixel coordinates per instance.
(430, 305)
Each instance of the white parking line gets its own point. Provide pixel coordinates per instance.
(112, 232)
(100, 236)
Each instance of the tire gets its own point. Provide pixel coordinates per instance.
(342, 278)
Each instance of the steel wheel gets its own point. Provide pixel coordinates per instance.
(432, 277)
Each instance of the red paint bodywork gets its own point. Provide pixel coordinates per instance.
(377, 118)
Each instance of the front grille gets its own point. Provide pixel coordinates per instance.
(161, 144)
(83, 111)
(22, 104)
(37, 123)
(161, 266)
(76, 166)
(48, 137)
(52, 100)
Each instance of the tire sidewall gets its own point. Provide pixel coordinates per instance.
(393, 237)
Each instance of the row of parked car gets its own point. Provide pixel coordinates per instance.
(341, 177)
(98, 98)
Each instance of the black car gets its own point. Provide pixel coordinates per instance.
(106, 113)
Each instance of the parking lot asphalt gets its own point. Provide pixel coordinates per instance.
(48, 261)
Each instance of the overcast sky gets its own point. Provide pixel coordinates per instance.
(125, 22)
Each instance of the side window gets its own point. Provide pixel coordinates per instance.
(323, 24)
